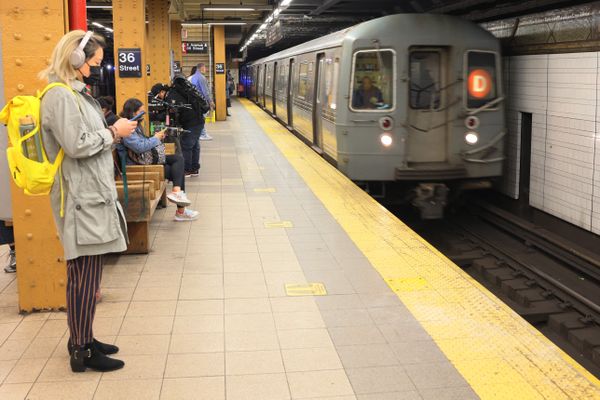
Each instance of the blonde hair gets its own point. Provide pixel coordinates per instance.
(60, 67)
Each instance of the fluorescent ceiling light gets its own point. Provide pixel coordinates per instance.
(263, 26)
(226, 23)
(228, 9)
(102, 26)
(285, 3)
(100, 7)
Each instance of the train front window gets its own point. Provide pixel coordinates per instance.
(425, 77)
(481, 78)
(373, 80)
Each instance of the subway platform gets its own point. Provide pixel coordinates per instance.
(293, 284)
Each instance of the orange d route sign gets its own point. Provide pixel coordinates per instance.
(480, 83)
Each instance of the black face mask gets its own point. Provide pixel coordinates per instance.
(94, 77)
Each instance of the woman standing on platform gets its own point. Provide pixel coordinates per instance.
(84, 199)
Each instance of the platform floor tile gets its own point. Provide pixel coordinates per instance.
(206, 314)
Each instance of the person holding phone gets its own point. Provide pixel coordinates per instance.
(89, 218)
(140, 149)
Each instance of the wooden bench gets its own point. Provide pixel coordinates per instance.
(146, 187)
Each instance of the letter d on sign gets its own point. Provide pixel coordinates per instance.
(479, 83)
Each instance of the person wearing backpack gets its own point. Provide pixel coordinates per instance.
(88, 216)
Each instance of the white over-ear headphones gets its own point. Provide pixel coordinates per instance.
(78, 55)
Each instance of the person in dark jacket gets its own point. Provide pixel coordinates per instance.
(156, 108)
(107, 104)
(189, 118)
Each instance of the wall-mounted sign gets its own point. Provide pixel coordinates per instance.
(194, 47)
(177, 67)
(130, 63)
(148, 69)
(219, 68)
(274, 33)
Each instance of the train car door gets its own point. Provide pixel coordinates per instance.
(274, 93)
(263, 101)
(290, 96)
(317, 103)
(427, 118)
(258, 83)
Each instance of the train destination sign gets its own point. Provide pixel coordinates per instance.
(194, 47)
(130, 63)
(274, 33)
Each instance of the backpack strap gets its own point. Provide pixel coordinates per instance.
(57, 165)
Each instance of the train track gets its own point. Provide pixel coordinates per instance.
(552, 283)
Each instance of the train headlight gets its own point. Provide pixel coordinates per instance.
(386, 140)
(471, 138)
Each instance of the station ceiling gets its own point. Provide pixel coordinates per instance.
(303, 20)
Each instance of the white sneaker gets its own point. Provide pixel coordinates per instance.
(188, 215)
(179, 198)
(206, 137)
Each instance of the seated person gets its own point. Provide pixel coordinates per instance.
(174, 164)
(107, 103)
(367, 95)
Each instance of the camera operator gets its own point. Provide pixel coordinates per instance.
(156, 107)
(190, 117)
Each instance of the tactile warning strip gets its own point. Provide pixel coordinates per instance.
(496, 351)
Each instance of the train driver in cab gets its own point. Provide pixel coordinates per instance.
(367, 95)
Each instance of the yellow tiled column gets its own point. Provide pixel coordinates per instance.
(158, 41)
(220, 74)
(30, 29)
(176, 41)
(129, 24)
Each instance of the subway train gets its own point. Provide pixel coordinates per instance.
(408, 106)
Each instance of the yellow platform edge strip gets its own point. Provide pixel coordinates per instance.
(497, 352)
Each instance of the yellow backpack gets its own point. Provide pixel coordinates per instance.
(27, 161)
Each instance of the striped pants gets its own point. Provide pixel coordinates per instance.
(83, 281)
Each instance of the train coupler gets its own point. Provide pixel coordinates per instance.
(431, 200)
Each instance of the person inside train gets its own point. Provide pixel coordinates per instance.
(84, 200)
(107, 103)
(367, 95)
(142, 150)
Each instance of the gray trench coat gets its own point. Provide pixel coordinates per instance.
(93, 221)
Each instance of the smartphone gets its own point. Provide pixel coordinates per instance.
(139, 116)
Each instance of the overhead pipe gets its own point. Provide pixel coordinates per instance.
(77, 15)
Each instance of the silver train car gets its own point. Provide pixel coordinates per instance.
(409, 106)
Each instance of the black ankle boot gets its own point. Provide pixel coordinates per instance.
(88, 356)
(103, 348)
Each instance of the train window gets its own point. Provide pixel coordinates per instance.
(303, 81)
(331, 82)
(425, 77)
(373, 80)
(481, 78)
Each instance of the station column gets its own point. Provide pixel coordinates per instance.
(158, 41)
(129, 24)
(29, 31)
(176, 41)
(219, 72)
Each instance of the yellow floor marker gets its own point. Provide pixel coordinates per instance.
(305, 289)
(265, 190)
(279, 224)
(454, 309)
